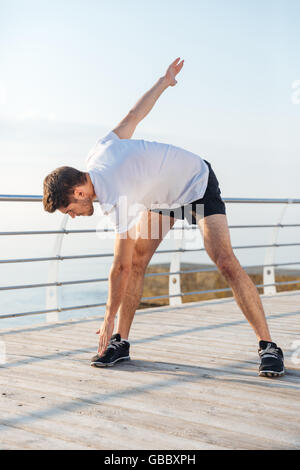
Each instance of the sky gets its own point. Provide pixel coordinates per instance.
(71, 70)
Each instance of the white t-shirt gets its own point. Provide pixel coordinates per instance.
(130, 176)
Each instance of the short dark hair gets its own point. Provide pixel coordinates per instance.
(59, 186)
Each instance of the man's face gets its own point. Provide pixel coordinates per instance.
(79, 207)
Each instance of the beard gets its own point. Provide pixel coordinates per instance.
(87, 207)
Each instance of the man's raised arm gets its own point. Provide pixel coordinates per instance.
(127, 126)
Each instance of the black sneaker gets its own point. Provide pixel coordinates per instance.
(116, 351)
(271, 360)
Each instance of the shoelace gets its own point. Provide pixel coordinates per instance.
(115, 344)
(270, 351)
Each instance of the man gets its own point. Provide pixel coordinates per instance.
(133, 179)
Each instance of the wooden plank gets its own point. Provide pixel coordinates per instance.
(190, 384)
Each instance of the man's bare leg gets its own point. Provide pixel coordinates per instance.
(217, 243)
(153, 228)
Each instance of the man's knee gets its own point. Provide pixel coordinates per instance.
(228, 265)
(140, 260)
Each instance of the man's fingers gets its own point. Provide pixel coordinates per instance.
(179, 66)
(102, 345)
(177, 62)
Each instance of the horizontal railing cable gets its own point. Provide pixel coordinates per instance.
(166, 273)
(237, 200)
(107, 255)
(188, 227)
(103, 304)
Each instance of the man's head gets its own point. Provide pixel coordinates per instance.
(70, 191)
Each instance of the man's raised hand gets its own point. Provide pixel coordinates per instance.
(173, 70)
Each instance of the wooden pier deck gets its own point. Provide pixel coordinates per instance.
(192, 383)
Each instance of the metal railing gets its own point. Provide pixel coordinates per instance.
(175, 295)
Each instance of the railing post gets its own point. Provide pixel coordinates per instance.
(52, 298)
(174, 279)
(269, 269)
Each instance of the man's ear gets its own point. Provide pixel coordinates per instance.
(78, 192)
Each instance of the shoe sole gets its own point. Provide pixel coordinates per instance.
(110, 364)
(271, 373)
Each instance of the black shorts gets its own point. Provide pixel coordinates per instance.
(211, 203)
